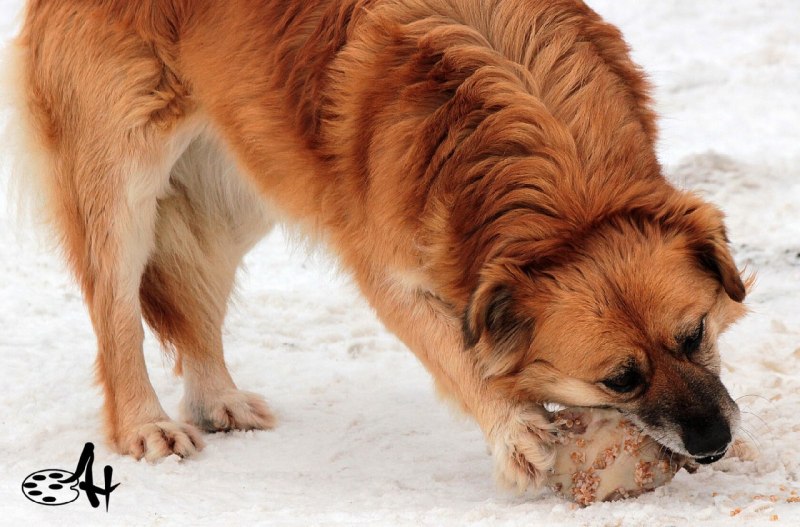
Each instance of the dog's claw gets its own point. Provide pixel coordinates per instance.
(154, 441)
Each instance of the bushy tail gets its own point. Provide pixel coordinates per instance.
(25, 174)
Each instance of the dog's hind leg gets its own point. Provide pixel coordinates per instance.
(107, 213)
(206, 224)
(111, 121)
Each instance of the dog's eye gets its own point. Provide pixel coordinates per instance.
(691, 344)
(625, 382)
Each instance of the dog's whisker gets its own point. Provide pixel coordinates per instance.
(753, 395)
(766, 425)
(753, 438)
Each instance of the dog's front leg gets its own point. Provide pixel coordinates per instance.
(519, 434)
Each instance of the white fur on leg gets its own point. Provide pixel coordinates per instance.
(523, 448)
(213, 403)
(229, 410)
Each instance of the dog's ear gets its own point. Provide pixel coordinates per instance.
(495, 330)
(715, 255)
(711, 246)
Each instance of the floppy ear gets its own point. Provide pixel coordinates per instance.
(494, 329)
(711, 246)
(715, 256)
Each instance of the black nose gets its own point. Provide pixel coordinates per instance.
(706, 438)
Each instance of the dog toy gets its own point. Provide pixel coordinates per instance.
(601, 456)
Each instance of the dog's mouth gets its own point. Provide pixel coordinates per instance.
(707, 460)
(673, 443)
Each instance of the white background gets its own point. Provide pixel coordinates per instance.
(362, 437)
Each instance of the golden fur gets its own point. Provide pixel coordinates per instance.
(485, 169)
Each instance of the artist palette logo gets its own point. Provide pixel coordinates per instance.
(54, 486)
(46, 488)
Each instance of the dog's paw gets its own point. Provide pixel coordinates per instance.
(523, 449)
(153, 441)
(229, 410)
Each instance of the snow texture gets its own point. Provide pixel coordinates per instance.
(362, 438)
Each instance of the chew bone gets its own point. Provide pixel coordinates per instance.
(601, 456)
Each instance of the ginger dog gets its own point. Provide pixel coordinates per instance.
(485, 169)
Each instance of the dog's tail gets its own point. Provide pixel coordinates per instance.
(25, 169)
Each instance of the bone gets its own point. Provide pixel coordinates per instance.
(601, 456)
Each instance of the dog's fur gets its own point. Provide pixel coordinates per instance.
(485, 169)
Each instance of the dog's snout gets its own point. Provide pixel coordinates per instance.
(707, 438)
(691, 410)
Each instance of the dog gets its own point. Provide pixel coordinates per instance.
(484, 169)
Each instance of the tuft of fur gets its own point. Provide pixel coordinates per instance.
(30, 190)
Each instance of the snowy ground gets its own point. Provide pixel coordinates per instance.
(726, 76)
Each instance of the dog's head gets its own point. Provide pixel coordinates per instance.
(628, 317)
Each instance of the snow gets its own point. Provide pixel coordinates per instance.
(362, 438)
